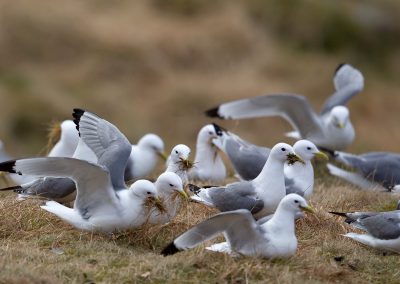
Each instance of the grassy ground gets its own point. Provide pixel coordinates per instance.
(36, 247)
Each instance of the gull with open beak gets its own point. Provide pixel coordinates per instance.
(170, 190)
(179, 163)
(275, 238)
(261, 195)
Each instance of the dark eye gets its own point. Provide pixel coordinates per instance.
(148, 192)
(308, 148)
(171, 184)
(210, 133)
(176, 151)
(283, 149)
(296, 201)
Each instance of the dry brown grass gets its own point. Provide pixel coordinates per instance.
(36, 247)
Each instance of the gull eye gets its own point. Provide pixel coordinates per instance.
(176, 151)
(171, 184)
(210, 133)
(308, 148)
(283, 149)
(148, 192)
(296, 201)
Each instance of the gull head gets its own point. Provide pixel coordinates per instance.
(153, 142)
(146, 191)
(284, 152)
(207, 134)
(295, 203)
(170, 182)
(180, 155)
(307, 150)
(340, 116)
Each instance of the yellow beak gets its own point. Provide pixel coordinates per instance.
(341, 125)
(183, 194)
(322, 156)
(163, 155)
(307, 208)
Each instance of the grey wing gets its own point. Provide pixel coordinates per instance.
(384, 226)
(94, 189)
(348, 83)
(239, 195)
(291, 187)
(110, 146)
(239, 227)
(49, 187)
(294, 108)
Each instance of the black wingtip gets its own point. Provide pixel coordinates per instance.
(170, 249)
(8, 166)
(339, 67)
(16, 188)
(213, 112)
(194, 188)
(338, 213)
(332, 153)
(77, 114)
(218, 129)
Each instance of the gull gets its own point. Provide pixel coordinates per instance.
(208, 165)
(373, 171)
(168, 185)
(261, 195)
(103, 202)
(275, 238)
(330, 130)
(383, 228)
(144, 156)
(178, 162)
(248, 160)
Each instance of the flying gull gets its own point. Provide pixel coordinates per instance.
(275, 238)
(330, 130)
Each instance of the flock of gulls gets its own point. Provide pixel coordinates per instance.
(95, 166)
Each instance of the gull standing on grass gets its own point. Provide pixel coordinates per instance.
(373, 171)
(169, 188)
(261, 195)
(383, 228)
(208, 165)
(103, 201)
(248, 160)
(330, 130)
(275, 238)
(178, 162)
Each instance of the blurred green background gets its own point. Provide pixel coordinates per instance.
(155, 66)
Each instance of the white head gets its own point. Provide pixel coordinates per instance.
(169, 182)
(152, 142)
(144, 189)
(180, 152)
(294, 203)
(347, 75)
(206, 134)
(307, 150)
(69, 131)
(339, 116)
(284, 152)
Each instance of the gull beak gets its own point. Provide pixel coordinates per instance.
(183, 194)
(163, 155)
(322, 156)
(293, 158)
(341, 125)
(307, 208)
